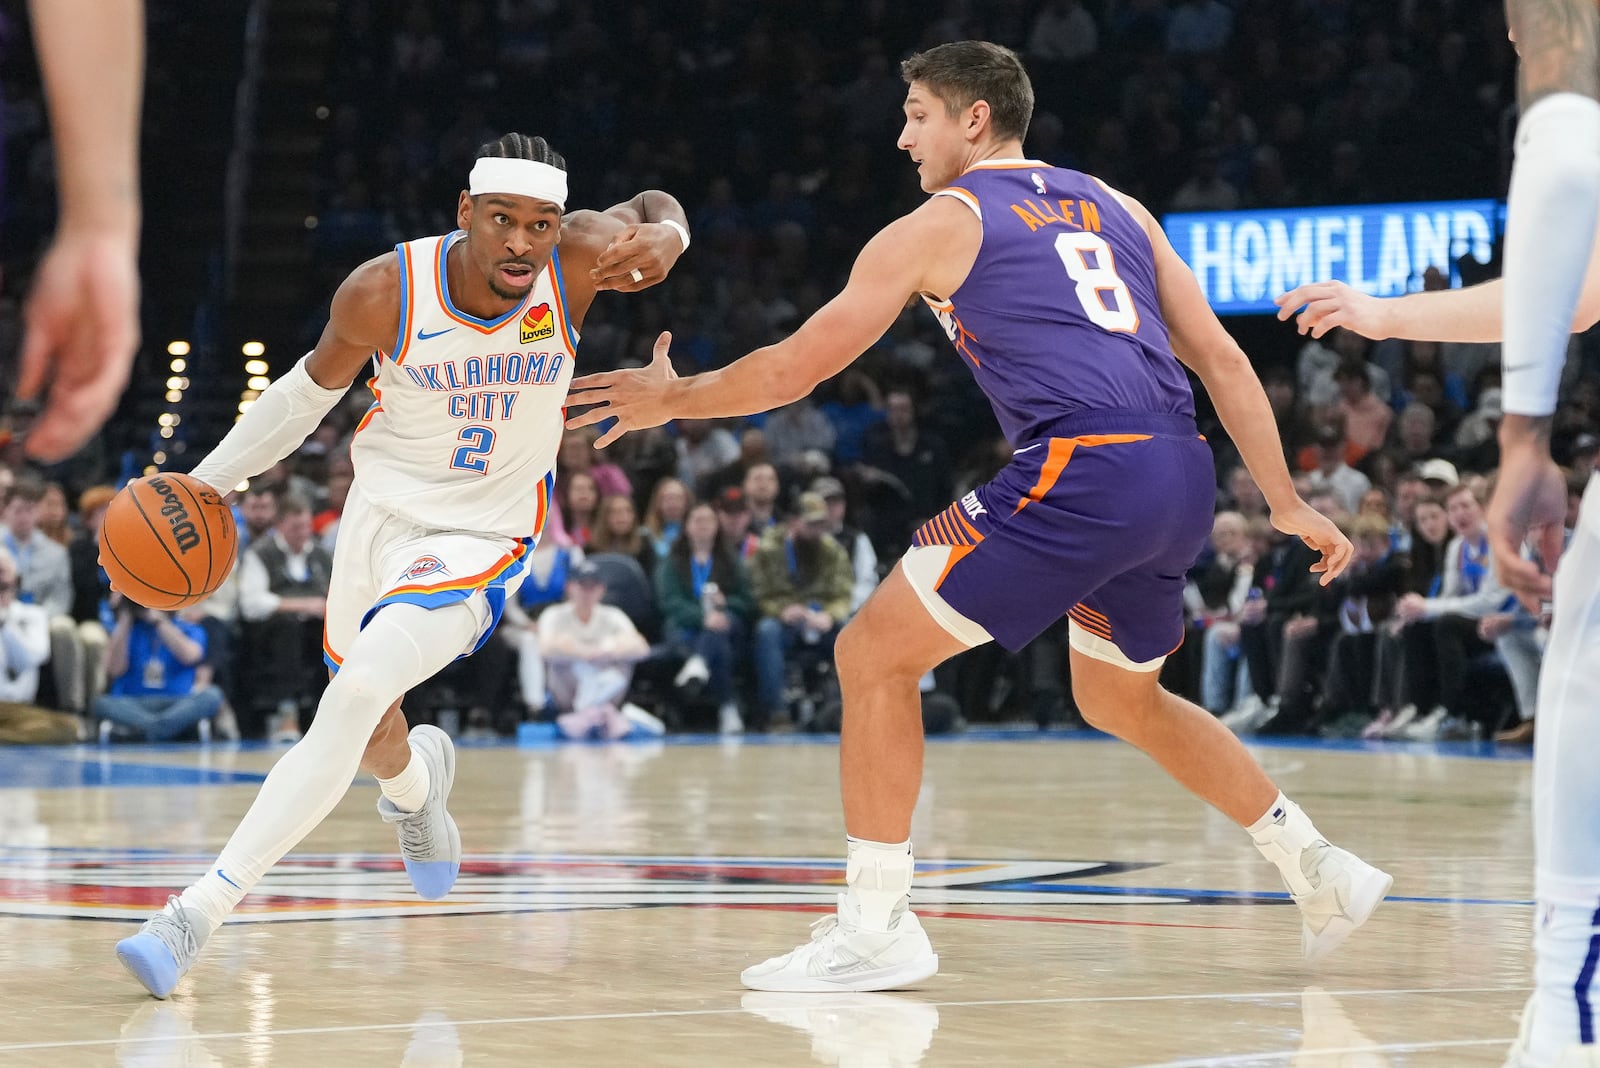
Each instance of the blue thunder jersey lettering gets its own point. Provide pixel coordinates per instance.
(1059, 313)
(468, 413)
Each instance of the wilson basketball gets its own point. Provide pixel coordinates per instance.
(168, 541)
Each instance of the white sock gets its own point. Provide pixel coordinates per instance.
(878, 875)
(1550, 228)
(1281, 834)
(408, 791)
(403, 645)
(1567, 942)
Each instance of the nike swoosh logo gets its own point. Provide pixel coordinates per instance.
(428, 337)
(224, 877)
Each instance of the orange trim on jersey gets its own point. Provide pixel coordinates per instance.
(541, 497)
(961, 520)
(439, 260)
(938, 305)
(965, 194)
(1091, 613)
(554, 267)
(408, 304)
(377, 406)
(1099, 630)
(1006, 165)
(1060, 452)
(951, 538)
(957, 554)
(472, 582)
(327, 650)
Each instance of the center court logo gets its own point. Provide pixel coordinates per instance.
(124, 884)
(537, 325)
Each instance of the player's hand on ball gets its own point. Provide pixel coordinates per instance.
(647, 248)
(1325, 305)
(636, 399)
(1319, 532)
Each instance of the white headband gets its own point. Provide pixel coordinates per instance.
(522, 177)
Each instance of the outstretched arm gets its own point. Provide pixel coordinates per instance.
(888, 273)
(82, 315)
(365, 319)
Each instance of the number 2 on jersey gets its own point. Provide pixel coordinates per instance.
(473, 456)
(1093, 282)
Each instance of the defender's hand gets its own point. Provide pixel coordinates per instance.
(649, 248)
(1325, 305)
(1530, 500)
(1319, 532)
(636, 399)
(82, 322)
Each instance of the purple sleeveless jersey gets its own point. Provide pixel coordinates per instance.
(1059, 314)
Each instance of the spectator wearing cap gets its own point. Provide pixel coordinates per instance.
(589, 651)
(705, 599)
(1333, 473)
(863, 559)
(1366, 418)
(1438, 475)
(802, 582)
(733, 517)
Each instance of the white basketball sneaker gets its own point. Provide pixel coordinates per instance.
(843, 956)
(1344, 890)
(1570, 1057)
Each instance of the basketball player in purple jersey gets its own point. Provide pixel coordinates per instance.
(1551, 287)
(1068, 305)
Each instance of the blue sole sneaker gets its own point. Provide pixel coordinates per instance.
(430, 844)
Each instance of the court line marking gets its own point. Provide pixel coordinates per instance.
(1228, 1060)
(12, 1047)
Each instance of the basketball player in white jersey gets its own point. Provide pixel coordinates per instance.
(1551, 287)
(472, 336)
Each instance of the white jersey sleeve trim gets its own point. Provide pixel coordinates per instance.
(964, 197)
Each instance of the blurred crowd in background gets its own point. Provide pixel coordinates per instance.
(693, 577)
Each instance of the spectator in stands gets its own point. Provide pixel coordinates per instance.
(856, 409)
(1366, 418)
(1519, 638)
(733, 518)
(802, 582)
(761, 492)
(1063, 32)
(578, 497)
(159, 688)
(91, 588)
(549, 566)
(1414, 436)
(325, 525)
(1332, 473)
(1353, 689)
(578, 456)
(795, 428)
(863, 560)
(752, 450)
(617, 530)
(1199, 27)
(1468, 591)
(1213, 598)
(669, 504)
(917, 460)
(283, 596)
(589, 651)
(703, 449)
(24, 638)
(257, 512)
(705, 599)
(1584, 449)
(45, 571)
(1244, 496)
(53, 519)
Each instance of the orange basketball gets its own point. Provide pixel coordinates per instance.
(168, 541)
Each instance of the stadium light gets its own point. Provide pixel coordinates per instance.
(179, 366)
(174, 396)
(160, 457)
(259, 382)
(253, 348)
(255, 367)
(177, 348)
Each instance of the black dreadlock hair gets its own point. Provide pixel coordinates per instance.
(521, 146)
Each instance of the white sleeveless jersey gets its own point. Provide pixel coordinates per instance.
(467, 422)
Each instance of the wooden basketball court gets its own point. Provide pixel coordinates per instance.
(1085, 909)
